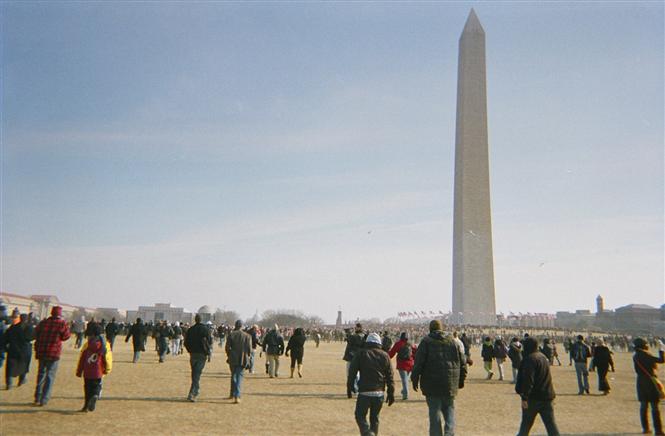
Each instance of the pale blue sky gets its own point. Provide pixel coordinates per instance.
(238, 154)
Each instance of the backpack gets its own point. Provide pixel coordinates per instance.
(404, 353)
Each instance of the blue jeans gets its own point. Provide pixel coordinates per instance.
(197, 361)
(404, 375)
(438, 407)
(45, 380)
(582, 376)
(236, 380)
(373, 404)
(544, 408)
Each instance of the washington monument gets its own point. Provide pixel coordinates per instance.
(473, 264)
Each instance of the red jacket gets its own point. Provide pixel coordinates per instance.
(49, 335)
(95, 361)
(405, 365)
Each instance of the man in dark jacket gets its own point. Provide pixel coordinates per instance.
(467, 347)
(197, 343)
(376, 374)
(111, 331)
(581, 352)
(163, 334)
(91, 327)
(386, 341)
(138, 334)
(440, 370)
(515, 356)
(487, 353)
(534, 385)
(238, 350)
(273, 346)
(354, 343)
(500, 354)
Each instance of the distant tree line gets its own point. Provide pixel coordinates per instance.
(285, 317)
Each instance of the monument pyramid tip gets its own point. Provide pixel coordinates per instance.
(473, 23)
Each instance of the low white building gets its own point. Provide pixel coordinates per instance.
(159, 312)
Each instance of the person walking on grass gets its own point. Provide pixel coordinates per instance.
(602, 361)
(177, 338)
(646, 367)
(581, 353)
(95, 361)
(500, 354)
(17, 343)
(405, 352)
(548, 350)
(296, 347)
(386, 341)
(376, 376)
(238, 350)
(354, 343)
(467, 347)
(78, 327)
(254, 333)
(163, 334)
(138, 334)
(440, 371)
(487, 353)
(112, 329)
(515, 356)
(534, 386)
(555, 353)
(197, 343)
(273, 346)
(49, 335)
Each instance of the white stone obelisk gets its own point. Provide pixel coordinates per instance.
(473, 264)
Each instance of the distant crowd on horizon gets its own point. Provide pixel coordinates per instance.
(432, 359)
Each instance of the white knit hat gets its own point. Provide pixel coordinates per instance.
(373, 338)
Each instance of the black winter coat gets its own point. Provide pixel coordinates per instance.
(440, 366)
(500, 349)
(354, 343)
(17, 343)
(534, 380)
(296, 345)
(376, 373)
(487, 352)
(112, 330)
(137, 333)
(515, 354)
(602, 357)
(198, 339)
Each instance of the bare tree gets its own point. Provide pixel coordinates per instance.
(226, 316)
(291, 318)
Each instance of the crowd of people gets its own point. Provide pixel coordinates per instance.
(439, 362)
(433, 359)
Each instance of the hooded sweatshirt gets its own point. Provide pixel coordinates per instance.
(95, 360)
(534, 381)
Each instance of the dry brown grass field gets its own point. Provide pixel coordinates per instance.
(148, 398)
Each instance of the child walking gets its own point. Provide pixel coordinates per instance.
(95, 362)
